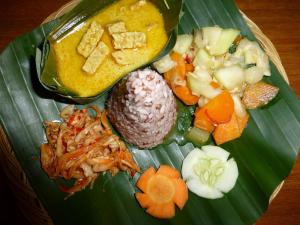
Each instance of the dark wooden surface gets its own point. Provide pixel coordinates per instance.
(280, 21)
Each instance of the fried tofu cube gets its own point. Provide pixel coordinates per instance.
(118, 27)
(90, 39)
(96, 58)
(129, 40)
(125, 57)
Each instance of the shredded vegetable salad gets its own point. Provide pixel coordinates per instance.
(81, 147)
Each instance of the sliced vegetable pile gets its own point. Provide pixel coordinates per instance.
(221, 72)
(162, 190)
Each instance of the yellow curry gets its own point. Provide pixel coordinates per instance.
(144, 18)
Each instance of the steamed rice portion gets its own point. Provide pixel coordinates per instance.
(142, 108)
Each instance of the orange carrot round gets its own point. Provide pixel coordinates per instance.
(162, 190)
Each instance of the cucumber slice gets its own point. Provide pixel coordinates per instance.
(197, 187)
(227, 179)
(231, 77)
(216, 152)
(183, 42)
(224, 42)
(208, 173)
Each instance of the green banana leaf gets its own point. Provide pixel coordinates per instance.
(265, 153)
(45, 59)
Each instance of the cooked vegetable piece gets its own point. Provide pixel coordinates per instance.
(118, 27)
(208, 173)
(239, 107)
(198, 38)
(164, 64)
(231, 77)
(129, 40)
(202, 121)
(210, 36)
(259, 94)
(184, 41)
(197, 136)
(220, 108)
(253, 75)
(185, 95)
(200, 87)
(189, 67)
(90, 39)
(203, 59)
(162, 190)
(225, 40)
(96, 58)
(231, 130)
(180, 64)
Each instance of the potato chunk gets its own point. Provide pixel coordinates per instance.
(96, 58)
(129, 40)
(90, 39)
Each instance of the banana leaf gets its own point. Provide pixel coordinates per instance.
(45, 59)
(265, 153)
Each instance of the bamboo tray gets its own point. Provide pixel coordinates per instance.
(27, 199)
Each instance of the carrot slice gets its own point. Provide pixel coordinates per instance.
(220, 108)
(181, 196)
(162, 211)
(185, 95)
(189, 67)
(144, 178)
(144, 200)
(162, 190)
(227, 131)
(180, 67)
(202, 121)
(168, 171)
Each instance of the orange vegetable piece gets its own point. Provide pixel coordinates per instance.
(142, 182)
(162, 190)
(168, 171)
(182, 196)
(185, 95)
(220, 108)
(180, 67)
(202, 121)
(231, 130)
(214, 84)
(189, 67)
